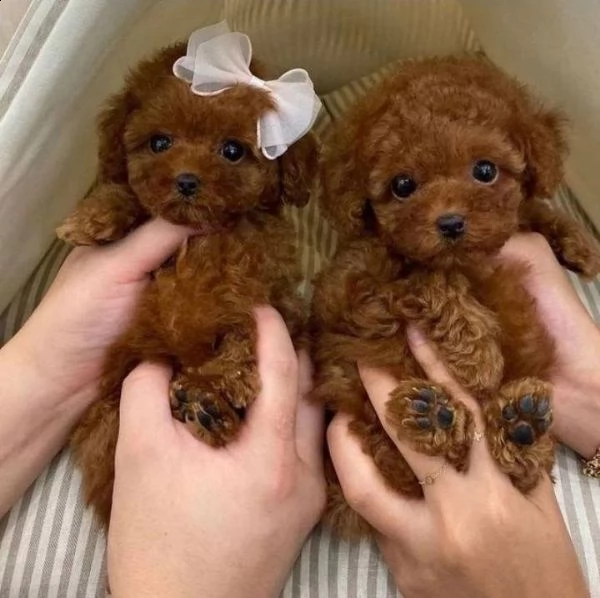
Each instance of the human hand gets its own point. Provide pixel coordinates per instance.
(191, 520)
(88, 307)
(473, 534)
(576, 378)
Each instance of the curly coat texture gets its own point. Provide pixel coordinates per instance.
(430, 123)
(196, 314)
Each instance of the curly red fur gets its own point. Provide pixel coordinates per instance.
(432, 120)
(196, 314)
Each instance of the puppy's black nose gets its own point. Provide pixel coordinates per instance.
(187, 184)
(451, 226)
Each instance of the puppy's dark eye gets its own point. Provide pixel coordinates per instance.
(233, 150)
(485, 171)
(402, 186)
(160, 143)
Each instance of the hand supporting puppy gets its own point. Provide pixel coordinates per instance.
(49, 370)
(189, 520)
(576, 378)
(474, 534)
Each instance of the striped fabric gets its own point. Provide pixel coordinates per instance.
(355, 37)
(50, 545)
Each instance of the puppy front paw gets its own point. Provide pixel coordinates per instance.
(517, 430)
(577, 252)
(433, 422)
(87, 227)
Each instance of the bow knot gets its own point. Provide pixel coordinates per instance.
(217, 59)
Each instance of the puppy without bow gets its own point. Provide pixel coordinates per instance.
(425, 180)
(198, 159)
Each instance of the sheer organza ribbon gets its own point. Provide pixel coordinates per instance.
(217, 59)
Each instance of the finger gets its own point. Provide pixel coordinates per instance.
(533, 249)
(547, 281)
(428, 358)
(435, 370)
(310, 418)
(274, 411)
(365, 490)
(544, 498)
(379, 386)
(147, 247)
(543, 494)
(144, 407)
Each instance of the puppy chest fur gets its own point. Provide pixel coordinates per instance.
(425, 180)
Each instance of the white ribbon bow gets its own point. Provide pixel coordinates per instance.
(218, 59)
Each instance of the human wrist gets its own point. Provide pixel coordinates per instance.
(577, 413)
(29, 373)
(35, 422)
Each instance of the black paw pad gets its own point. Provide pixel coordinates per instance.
(420, 406)
(445, 417)
(428, 409)
(426, 395)
(181, 395)
(527, 404)
(509, 413)
(205, 420)
(212, 410)
(522, 433)
(543, 407)
(423, 422)
(529, 416)
(240, 412)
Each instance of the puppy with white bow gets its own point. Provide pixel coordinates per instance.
(201, 139)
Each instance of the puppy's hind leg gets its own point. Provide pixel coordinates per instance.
(211, 398)
(434, 423)
(94, 441)
(517, 426)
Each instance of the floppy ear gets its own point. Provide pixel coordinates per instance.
(342, 197)
(112, 166)
(110, 209)
(541, 136)
(298, 170)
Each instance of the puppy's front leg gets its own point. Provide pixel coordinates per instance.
(107, 214)
(211, 398)
(571, 244)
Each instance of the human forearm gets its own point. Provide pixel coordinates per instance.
(35, 422)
